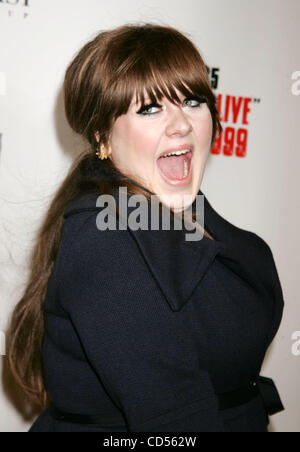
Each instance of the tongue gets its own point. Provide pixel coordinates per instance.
(172, 167)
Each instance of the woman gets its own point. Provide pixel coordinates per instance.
(141, 330)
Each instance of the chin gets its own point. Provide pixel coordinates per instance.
(177, 201)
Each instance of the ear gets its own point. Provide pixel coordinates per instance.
(97, 136)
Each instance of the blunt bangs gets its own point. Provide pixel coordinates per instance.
(157, 65)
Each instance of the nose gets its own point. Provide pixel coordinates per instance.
(178, 123)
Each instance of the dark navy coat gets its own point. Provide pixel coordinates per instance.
(145, 328)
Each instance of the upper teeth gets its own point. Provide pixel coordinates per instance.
(177, 153)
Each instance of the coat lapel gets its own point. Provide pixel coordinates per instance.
(176, 264)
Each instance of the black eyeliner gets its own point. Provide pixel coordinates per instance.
(200, 99)
(144, 107)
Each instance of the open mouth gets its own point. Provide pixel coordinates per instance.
(175, 167)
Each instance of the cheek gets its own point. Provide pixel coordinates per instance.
(139, 141)
(203, 127)
(145, 140)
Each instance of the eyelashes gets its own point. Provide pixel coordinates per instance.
(145, 109)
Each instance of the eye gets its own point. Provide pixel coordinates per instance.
(195, 101)
(148, 109)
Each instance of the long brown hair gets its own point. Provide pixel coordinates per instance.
(99, 86)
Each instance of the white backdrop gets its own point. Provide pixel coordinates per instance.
(252, 50)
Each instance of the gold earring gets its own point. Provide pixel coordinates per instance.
(102, 152)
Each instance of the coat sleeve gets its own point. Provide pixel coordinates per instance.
(271, 276)
(143, 352)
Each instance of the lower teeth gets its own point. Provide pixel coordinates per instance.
(185, 170)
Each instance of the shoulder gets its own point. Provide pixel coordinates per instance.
(82, 235)
(263, 257)
(91, 261)
(259, 252)
(259, 245)
(261, 248)
(244, 245)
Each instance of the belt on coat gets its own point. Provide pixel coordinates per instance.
(258, 386)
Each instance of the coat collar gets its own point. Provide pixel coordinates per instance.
(176, 264)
